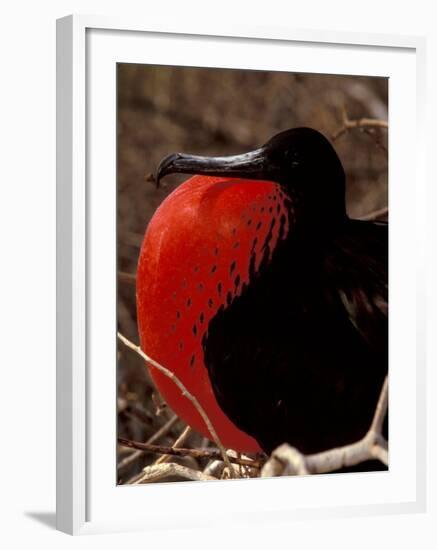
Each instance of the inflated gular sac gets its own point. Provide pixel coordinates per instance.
(202, 246)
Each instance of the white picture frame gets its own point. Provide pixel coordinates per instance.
(87, 50)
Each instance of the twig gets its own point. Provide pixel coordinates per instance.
(214, 468)
(376, 214)
(348, 124)
(128, 460)
(178, 443)
(164, 429)
(287, 460)
(158, 472)
(158, 434)
(133, 479)
(185, 392)
(381, 410)
(367, 125)
(159, 403)
(217, 469)
(211, 454)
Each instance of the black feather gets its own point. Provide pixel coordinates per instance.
(301, 355)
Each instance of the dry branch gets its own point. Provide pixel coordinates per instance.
(158, 472)
(158, 434)
(287, 460)
(348, 124)
(178, 443)
(367, 125)
(214, 468)
(211, 454)
(381, 410)
(185, 392)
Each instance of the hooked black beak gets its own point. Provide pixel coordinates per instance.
(250, 165)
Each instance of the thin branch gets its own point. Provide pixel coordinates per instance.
(159, 403)
(367, 125)
(133, 479)
(217, 468)
(214, 468)
(158, 472)
(185, 392)
(157, 435)
(381, 409)
(128, 460)
(177, 444)
(376, 214)
(287, 460)
(348, 124)
(211, 454)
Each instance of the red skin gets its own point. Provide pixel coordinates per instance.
(189, 246)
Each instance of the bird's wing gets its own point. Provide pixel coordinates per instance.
(356, 268)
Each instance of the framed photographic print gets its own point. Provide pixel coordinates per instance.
(232, 233)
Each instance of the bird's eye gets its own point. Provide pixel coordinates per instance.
(292, 158)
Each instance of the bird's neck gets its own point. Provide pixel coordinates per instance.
(315, 217)
(316, 198)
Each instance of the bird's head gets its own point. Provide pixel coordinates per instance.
(301, 160)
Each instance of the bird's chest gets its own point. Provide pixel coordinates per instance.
(203, 251)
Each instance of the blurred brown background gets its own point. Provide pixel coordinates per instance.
(162, 110)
